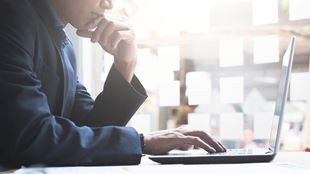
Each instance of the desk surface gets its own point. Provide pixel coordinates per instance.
(302, 158)
(285, 162)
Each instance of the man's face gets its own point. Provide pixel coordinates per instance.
(84, 14)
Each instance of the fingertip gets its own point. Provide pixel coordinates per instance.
(219, 148)
(222, 149)
(222, 146)
(212, 150)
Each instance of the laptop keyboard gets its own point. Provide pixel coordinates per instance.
(234, 152)
(203, 152)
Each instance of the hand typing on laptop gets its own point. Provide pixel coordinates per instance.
(161, 142)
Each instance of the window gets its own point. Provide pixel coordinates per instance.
(299, 9)
(169, 94)
(300, 85)
(231, 53)
(199, 121)
(266, 49)
(169, 58)
(198, 88)
(231, 89)
(265, 12)
(184, 59)
(231, 126)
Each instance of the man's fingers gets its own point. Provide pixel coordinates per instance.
(94, 23)
(222, 146)
(186, 147)
(118, 36)
(108, 32)
(214, 143)
(97, 33)
(109, 29)
(207, 139)
(198, 142)
(85, 33)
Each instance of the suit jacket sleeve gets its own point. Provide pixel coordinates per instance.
(115, 105)
(29, 133)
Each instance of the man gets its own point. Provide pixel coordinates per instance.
(47, 116)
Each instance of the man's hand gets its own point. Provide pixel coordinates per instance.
(162, 142)
(116, 39)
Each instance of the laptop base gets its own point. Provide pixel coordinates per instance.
(184, 159)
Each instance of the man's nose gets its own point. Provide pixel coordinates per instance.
(107, 4)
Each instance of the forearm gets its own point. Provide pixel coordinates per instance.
(67, 144)
(105, 110)
(126, 68)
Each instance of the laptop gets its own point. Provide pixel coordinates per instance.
(266, 154)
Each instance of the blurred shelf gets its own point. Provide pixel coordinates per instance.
(246, 33)
(217, 33)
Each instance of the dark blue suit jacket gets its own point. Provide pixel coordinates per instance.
(46, 114)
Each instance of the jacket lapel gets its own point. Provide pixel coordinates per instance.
(67, 54)
(64, 50)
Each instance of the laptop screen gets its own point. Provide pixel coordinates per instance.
(282, 96)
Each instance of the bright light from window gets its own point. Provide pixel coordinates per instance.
(196, 14)
(141, 122)
(266, 49)
(87, 64)
(262, 125)
(198, 88)
(231, 53)
(107, 64)
(147, 69)
(199, 121)
(169, 94)
(265, 12)
(231, 89)
(299, 86)
(171, 17)
(299, 9)
(169, 58)
(165, 76)
(231, 126)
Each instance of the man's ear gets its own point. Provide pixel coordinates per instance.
(107, 4)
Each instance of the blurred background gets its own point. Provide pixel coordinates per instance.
(213, 65)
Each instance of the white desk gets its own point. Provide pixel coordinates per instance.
(302, 158)
(284, 163)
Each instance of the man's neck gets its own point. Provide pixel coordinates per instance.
(59, 8)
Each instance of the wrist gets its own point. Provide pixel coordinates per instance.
(126, 65)
(142, 143)
(126, 68)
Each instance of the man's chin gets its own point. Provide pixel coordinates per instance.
(80, 26)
